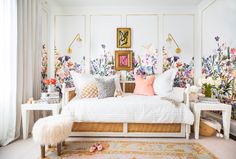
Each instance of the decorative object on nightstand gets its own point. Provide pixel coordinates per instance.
(208, 84)
(194, 93)
(50, 97)
(50, 83)
(226, 115)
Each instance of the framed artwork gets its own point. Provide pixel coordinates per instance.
(123, 60)
(123, 38)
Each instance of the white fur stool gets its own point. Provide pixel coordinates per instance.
(52, 130)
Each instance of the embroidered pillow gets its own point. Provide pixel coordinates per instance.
(144, 86)
(106, 88)
(163, 84)
(85, 85)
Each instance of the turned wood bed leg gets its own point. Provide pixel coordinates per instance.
(59, 149)
(42, 151)
(187, 131)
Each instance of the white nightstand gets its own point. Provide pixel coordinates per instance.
(25, 108)
(226, 115)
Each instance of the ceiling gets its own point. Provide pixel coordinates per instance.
(125, 3)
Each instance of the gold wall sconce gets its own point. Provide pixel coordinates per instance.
(77, 39)
(169, 39)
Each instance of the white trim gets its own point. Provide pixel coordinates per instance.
(89, 12)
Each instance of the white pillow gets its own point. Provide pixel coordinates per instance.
(163, 84)
(177, 94)
(81, 80)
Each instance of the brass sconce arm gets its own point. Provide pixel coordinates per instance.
(169, 39)
(77, 38)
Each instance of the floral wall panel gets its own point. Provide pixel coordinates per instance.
(63, 66)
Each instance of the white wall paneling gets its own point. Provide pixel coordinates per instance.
(103, 31)
(218, 19)
(98, 26)
(182, 29)
(144, 30)
(66, 28)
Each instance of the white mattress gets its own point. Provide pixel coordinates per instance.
(130, 108)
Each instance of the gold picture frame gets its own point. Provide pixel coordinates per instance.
(123, 39)
(123, 60)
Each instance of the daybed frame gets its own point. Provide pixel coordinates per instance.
(126, 129)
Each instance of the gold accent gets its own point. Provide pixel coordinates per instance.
(78, 39)
(169, 39)
(129, 54)
(123, 37)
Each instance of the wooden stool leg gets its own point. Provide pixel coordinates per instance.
(42, 151)
(59, 149)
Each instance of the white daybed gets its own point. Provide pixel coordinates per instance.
(129, 116)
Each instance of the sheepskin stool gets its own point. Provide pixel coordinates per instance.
(52, 130)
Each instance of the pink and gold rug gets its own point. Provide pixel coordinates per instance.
(116, 149)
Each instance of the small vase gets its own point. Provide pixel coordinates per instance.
(50, 88)
(207, 91)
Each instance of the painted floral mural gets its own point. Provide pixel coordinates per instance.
(146, 64)
(44, 67)
(185, 74)
(103, 65)
(63, 66)
(221, 66)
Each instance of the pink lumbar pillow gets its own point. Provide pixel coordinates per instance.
(144, 86)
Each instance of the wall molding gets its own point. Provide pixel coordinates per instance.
(160, 30)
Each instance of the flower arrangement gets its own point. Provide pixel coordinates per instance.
(220, 66)
(209, 84)
(185, 71)
(103, 65)
(44, 67)
(50, 83)
(63, 66)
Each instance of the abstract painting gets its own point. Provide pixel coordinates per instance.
(123, 38)
(123, 59)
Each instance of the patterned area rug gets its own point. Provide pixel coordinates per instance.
(133, 150)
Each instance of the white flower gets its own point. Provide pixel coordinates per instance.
(210, 81)
(217, 82)
(194, 89)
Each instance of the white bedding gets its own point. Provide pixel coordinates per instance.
(130, 109)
